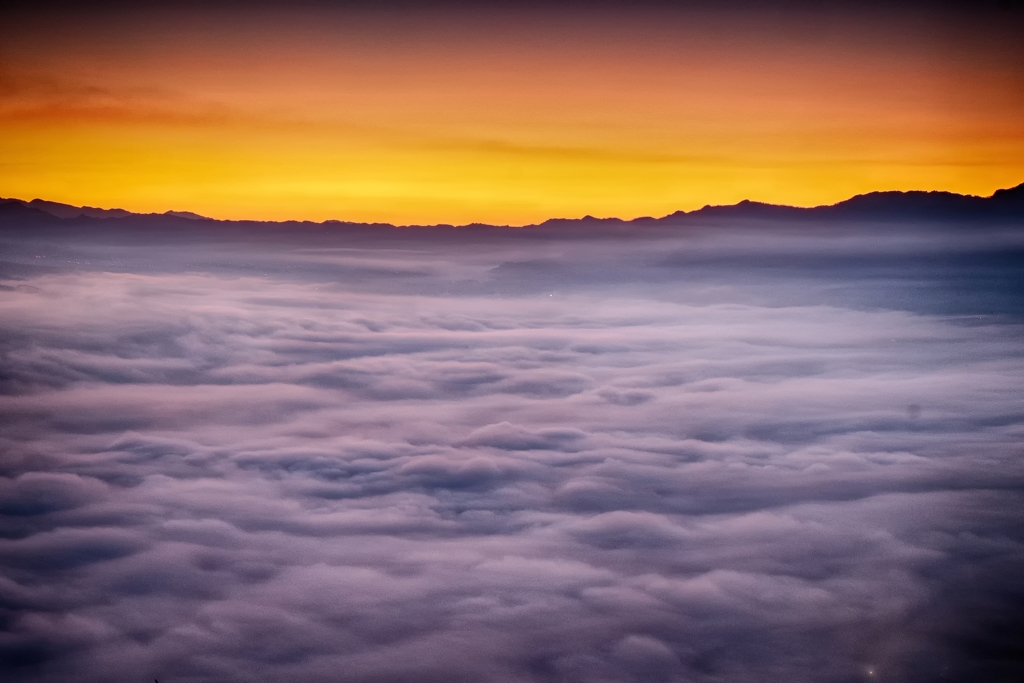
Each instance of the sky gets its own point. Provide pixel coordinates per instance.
(728, 453)
(507, 113)
(710, 449)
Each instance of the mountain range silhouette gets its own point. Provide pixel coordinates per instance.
(1006, 205)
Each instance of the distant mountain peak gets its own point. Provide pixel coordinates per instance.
(69, 211)
(186, 214)
(1013, 195)
(921, 205)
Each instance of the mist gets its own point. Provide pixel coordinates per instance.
(728, 451)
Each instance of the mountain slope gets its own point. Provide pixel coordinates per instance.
(1006, 205)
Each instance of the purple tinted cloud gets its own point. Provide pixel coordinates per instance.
(510, 460)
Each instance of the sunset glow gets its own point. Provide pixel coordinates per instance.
(454, 439)
(504, 117)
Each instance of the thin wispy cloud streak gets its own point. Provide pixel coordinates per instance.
(737, 452)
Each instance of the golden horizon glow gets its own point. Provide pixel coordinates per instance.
(411, 122)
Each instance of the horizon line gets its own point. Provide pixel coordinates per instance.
(117, 212)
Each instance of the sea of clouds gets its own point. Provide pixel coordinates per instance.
(704, 454)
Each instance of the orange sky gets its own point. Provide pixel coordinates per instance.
(503, 117)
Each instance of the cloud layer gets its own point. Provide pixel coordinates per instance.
(513, 457)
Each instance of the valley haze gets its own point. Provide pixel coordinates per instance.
(739, 444)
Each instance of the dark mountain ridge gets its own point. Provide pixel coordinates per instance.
(70, 211)
(1004, 206)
